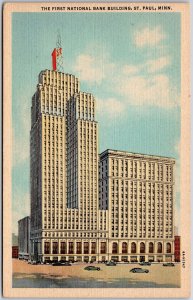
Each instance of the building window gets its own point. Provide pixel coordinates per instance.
(115, 248)
(124, 247)
(168, 248)
(46, 248)
(93, 248)
(142, 247)
(78, 248)
(159, 247)
(63, 248)
(151, 250)
(86, 247)
(133, 247)
(71, 248)
(55, 248)
(103, 247)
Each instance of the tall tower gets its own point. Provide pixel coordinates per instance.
(48, 153)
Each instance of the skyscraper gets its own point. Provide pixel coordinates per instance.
(49, 153)
(64, 167)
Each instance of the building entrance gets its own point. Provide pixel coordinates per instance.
(142, 258)
(115, 258)
(168, 258)
(86, 259)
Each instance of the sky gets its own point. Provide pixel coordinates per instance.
(130, 62)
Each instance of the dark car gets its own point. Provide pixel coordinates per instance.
(58, 263)
(111, 263)
(139, 270)
(92, 268)
(145, 263)
(61, 263)
(48, 262)
(168, 265)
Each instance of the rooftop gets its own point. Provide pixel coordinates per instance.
(135, 155)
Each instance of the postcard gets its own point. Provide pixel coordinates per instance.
(96, 150)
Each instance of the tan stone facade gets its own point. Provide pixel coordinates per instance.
(138, 193)
(88, 207)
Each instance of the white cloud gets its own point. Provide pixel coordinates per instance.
(148, 37)
(148, 89)
(147, 84)
(93, 65)
(110, 107)
(130, 69)
(150, 66)
(89, 69)
(155, 65)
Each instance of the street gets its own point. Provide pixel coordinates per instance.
(45, 276)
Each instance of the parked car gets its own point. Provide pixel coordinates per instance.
(139, 270)
(58, 263)
(111, 263)
(66, 263)
(168, 264)
(48, 262)
(145, 263)
(92, 268)
(61, 263)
